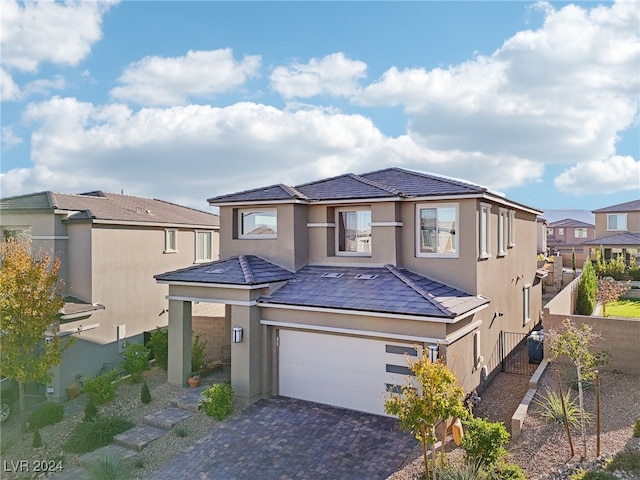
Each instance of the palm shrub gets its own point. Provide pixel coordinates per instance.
(218, 401)
(484, 441)
(102, 388)
(135, 361)
(159, 344)
(46, 414)
(106, 468)
(551, 407)
(145, 394)
(587, 290)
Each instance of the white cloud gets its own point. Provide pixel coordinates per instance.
(171, 81)
(44, 86)
(332, 75)
(557, 94)
(612, 175)
(9, 138)
(8, 88)
(46, 31)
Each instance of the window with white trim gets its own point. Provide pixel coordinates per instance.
(580, 232)
(560, 231)
(353, 231)
(437, 230)
(203, 246)
(526, 304)
(485, 211)
(503, 230)
(170, 240)
(512, 228)
(549, 231)
(258, 223)
(616, 221)
(16, 232)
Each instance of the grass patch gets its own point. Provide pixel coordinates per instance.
(627, 308)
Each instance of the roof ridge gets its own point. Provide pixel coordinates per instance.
(432, 176)
(418, 289)
(247, 273)
(293, 191)
(373, 183)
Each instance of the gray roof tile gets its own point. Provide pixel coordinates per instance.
(633, 205)
(622, 239)
(570, 223)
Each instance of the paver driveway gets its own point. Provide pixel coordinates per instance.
(282, 438)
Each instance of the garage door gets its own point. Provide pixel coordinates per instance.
(348, 372)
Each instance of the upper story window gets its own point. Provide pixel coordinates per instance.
(617, 221)
(580, 232)
(353, 231)
(512, 228)
(503, 231)
(16, 232)
(170, 240)
(258, 223)
(560, 231)
(526, 304)
(485, 211)
(549, 231)
(203, 246)
(437, 230)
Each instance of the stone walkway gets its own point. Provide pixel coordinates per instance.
(283, 438)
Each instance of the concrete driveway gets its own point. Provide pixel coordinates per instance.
(283, 438)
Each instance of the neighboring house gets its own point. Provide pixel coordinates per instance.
(617, 232)
(110, 246)
(567, 236)
(329, 285)
(541, 236)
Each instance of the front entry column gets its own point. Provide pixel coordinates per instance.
(247, 356)
(179, 365)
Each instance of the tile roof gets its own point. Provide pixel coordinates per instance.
(380, 289)
(110, 206)
(633, 205)
(240, 270)
(386, 183)
(621, 239)
(570, 223)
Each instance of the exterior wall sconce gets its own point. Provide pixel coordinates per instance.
(51, 390)
(237, 334)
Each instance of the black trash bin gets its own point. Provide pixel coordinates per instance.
(535, 342)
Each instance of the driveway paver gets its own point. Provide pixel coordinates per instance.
(283, 438)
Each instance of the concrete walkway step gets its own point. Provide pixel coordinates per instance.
(190, 401)
(167, 417)
(110, 450)
(138, 437)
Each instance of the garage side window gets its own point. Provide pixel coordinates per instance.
(437, 230)
(259, 224)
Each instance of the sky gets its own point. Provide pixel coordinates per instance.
(183, 101)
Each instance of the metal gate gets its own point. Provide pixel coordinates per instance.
(519, 353)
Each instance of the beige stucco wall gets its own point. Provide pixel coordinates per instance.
(633, 224)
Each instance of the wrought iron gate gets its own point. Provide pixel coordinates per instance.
(519, 353)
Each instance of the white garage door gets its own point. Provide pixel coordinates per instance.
(337, 370)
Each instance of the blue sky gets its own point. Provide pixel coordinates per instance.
(183, 101)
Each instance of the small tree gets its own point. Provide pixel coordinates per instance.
(574, 265)
(426, 399)
(145, 393)
(30, 302)
(587, 290)
(575, 343)
(610, 290)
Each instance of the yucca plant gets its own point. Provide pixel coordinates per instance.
(551, 408)
(106, 468)
(469, 471)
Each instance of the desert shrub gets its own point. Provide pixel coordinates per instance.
(135, 361)
(145, 394)
(37, 439)
(181, 432)
(159, 344)
(90, 411)
(484, 441)
(106, 468)
(99, 432)
(551, 408)
(46, 414)
(636, 428)
(102, 388)
(198, 357)
(587, 290)
(507, 471)
(626, 461)
(469, 471)
(218, 401)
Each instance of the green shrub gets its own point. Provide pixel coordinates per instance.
(470, 471)
(218, 402)
(46, 414)
(102, 388)
(37, 439)
(99, 432)
(135, 361)
(90, 411)
(507, 471)
(551, 408)
(198, 358)
(484, 441)
(181, 432)
(145, 394)
(587, 290)
(626, 461)
(159, 344)
(106, 468)
(636, 428)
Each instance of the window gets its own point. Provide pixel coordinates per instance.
(203, 246)
(526, 304)
(437, 230)
(485, 210)
(16, 232)
(512, 228)
(170, 239)
(560, 231)
(354, 231)
(258, 223)
(617, 221)
(549, 231)
(503, 230)
(580, 232)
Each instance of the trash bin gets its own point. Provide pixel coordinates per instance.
(535, 342)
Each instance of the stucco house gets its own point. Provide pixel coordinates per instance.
(617, 230)
(110, 246)
(327, 285)
(567, 236)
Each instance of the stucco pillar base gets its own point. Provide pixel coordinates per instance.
(179, 366)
